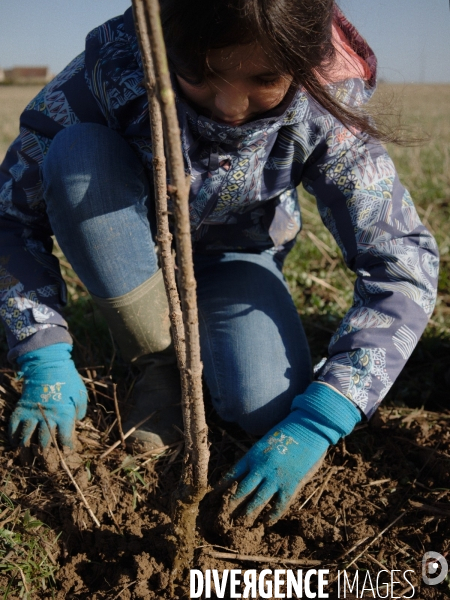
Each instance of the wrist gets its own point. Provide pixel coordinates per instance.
(55, 352)
(327, 412)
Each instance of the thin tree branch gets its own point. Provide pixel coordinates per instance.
(263, 559)
(127, 434)
(193, 408)
(164, 237)
(374, 540)
(165, 131)
(67, 470)
(119, 420)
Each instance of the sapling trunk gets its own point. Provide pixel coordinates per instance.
(164, 237)
(166, 133)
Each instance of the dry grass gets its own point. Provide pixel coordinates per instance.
(13, 100)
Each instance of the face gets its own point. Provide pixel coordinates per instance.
(239, 85)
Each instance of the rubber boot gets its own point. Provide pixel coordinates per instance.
(139, 322)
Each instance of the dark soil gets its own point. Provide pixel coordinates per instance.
(399, 464)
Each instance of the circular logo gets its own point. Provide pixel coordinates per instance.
(434, 568)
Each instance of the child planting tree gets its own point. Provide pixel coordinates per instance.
(270, 94)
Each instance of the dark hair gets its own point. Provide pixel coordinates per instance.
(296, 35)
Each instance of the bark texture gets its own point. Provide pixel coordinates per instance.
(166, 135)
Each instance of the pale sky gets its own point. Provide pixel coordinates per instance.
(410, 37)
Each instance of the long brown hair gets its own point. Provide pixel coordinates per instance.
(296, 35)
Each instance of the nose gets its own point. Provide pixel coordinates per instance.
(231, 101)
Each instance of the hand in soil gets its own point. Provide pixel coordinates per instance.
(51, 380)
(281, 462)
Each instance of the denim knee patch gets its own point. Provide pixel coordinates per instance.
(254, 350)
(97, 196)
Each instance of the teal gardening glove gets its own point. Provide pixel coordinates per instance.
(277, 463)
(51, 380)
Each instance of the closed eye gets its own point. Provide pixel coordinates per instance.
(268, 82)
(192, 81)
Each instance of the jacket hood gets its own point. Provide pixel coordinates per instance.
(354, 57)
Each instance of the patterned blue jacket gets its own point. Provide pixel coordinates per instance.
(242, 198)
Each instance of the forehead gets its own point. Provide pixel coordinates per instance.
(248, 59)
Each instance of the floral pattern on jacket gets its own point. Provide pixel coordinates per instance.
(242, 198)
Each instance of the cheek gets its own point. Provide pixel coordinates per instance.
(265, 99)
(202, 96)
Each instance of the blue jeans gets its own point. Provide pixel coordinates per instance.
(254, 349)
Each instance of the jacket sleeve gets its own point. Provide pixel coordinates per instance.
(32, 291)
(373, 220)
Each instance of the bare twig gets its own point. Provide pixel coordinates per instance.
(89, 442)
(322, 247)
(67, 470)
(375, 539)
(125, 587)
(345, 523)
(196, 441)
(90, 378)
(14, 514)
(94, 381)
(22, 575)
(172, 459)
(49, 554)
(127, 434)
(372, 504)
(330, 473)
(321, 487)
(105, 435)
(157, 450)
(193, 484)
(309, 498)
(159, 177)
(323, 283)
(119, 420)
(440, 511)
(377, 482)
(215, 546)
(86, 380)
(358, 543)
(263, 559)
(375, 561)
(158, 453)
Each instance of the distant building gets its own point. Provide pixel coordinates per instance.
(28, 75)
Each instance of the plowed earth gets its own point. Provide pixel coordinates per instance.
(393, 473)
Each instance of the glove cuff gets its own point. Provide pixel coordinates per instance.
(325, 411)
(47, 354)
